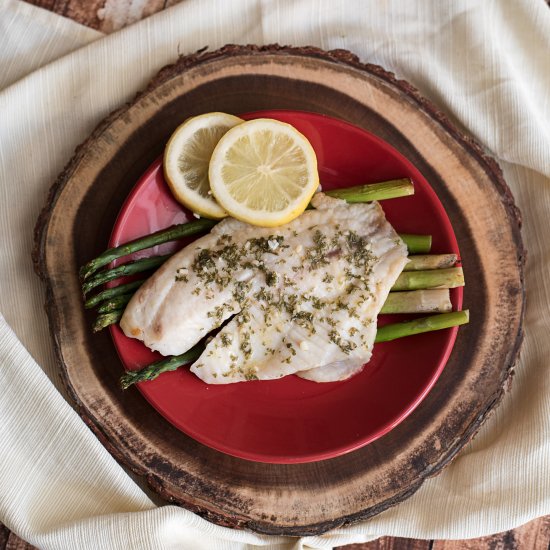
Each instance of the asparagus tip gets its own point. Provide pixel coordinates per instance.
(126, 380)
(84, 272)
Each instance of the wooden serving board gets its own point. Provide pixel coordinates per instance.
(306, 498)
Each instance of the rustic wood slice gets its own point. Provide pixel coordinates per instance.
(306, 498)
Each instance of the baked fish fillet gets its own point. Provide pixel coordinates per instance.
(300, 298)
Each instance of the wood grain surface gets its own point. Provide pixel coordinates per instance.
(535, 534)
(105, 15)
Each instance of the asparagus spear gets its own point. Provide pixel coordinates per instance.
(126, 269)
(430, 261)
(112, 293)
(414, 301)
(361, 193)
(374, 191)
(417, 244)
(424, 324)
(106, 319)
(384, 334)
(418, 301)
(150, 372)
(117, 302)
(163, 236)
(434, 278)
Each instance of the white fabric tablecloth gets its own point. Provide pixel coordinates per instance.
(487, 64)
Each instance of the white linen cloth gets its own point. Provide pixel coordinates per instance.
(487, 64)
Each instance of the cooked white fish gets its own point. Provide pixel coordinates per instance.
(300, 298)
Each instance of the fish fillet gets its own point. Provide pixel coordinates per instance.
(300, 298)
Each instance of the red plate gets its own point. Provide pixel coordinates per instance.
(292, 420)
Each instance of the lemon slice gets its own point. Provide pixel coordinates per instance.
(263, 172)
(186, 158)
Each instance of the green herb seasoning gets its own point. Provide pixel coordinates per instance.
(226, 339)
(316, 254)
(347, 346)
